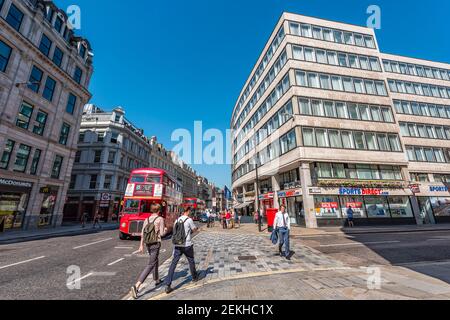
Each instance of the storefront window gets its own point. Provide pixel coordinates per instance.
(441, 207)
(356, 203)
(327, 207)
(47, 208)
(377, 207)
(12, 209)
(400, 207)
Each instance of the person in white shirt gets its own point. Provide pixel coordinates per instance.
(282, 225)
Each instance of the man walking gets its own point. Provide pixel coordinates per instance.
(282, 224)
(97, 220)
(350, 215)
(84, 219)
(152, 232)
(186, 248)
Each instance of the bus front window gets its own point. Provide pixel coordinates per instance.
(131, 206)
(137, 179)
(153, 179)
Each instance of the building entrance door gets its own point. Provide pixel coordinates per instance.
(426, 211)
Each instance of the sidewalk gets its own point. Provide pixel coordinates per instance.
(21, 236)
(304, 232)
(236, 264)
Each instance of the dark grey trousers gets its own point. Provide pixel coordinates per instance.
(153, 263)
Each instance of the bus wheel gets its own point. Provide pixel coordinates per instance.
(123, 236)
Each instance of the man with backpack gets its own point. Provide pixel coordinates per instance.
(183, 245)
(152, 232)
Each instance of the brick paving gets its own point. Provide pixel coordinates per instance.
(235, 264)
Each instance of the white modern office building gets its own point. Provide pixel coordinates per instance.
(326, 122)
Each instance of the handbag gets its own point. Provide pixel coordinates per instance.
(274, 236)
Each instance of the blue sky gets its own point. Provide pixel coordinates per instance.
(170, 63)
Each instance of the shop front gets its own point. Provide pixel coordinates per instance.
(434, 203)
(14, 197)
(48, 205)
(293, 200)
(371, 206)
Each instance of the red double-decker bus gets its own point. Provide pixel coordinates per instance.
(198, 207)
(146, 187)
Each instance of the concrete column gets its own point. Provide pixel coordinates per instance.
(308, 200)
(275, 188)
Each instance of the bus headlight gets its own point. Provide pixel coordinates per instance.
(124, 225)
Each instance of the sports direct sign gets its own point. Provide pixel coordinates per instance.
(362, 192)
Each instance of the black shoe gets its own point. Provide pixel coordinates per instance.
(196, 278)
(288, 258)
(169, 289)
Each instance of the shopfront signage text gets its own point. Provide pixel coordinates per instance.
(15, 183)
(438, 189)
(266, 196)
(330, 205)
(289, 193)
(362, 192)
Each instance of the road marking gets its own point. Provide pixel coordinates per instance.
(91, 244)
(22, 262)
(79, 279)
(117, 261)
(135, 252)
(123, 248)
(356, 244)
(438, 240)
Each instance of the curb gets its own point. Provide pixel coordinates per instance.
(21, 239)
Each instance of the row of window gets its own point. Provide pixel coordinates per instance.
(336, 58)
(424, 131)
(332, 35)
(340, 83)
(23, 154)
(357, 171)
(282, 87)
(94, 184)
(97, 157)
(270, 77)
(419, 89)
(25, 116)
(345, 110)
(346, 139)
(416, 70)
(424, 177)
(422, 109)
(259, 71)
(276, 149)
(426, 154)
(280, 118)
(14, 16)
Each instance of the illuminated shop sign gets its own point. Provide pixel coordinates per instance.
(15, 183)
(266, 196)
(362, 192)
(289, 193)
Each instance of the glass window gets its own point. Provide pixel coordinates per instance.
(387, 115)
(370, 43)
(304, 107)
(332, 58)
(49, 89)
(45, 45)
(348, 84)
(356, 203)
(309, 55)
(327, 207)
(325, 82)
(347, 139)
(313, 80)
(376, 115)
(327, 35)
(5, 54)
(71, 103)
(370, 88)
(394, 141)
(35, 162)
(295, 28)
(308, 137)
(58, 24)
(58, 56)
(359, 140)
(338, 36)
(64, 135)
(383, 142)
(400, 207)
(335, 139)
(14, 17)
(41, 120)
(77, 75)
(35, 79)
(317, 33)
(353, 61)
(342, 58)
(371, 141)
(22, 156)
(321, 137)
(353, 111)
(324, 170)
(306, 30)
(321, 56)
(377, 207)
(359, 87)
(317, 108)
(364, 62)
(381, 88)
(301, 78)
(348, 38)
(341, 110)
(24, 116)
(329, 109)
(6, 156)
(298, 53)
(364, 111)
(337, 83)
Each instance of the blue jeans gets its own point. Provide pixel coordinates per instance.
(178, 252)
(283, 235)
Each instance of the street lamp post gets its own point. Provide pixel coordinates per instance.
(258, 208)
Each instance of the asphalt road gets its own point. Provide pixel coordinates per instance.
(425, 252)
(108, 267)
